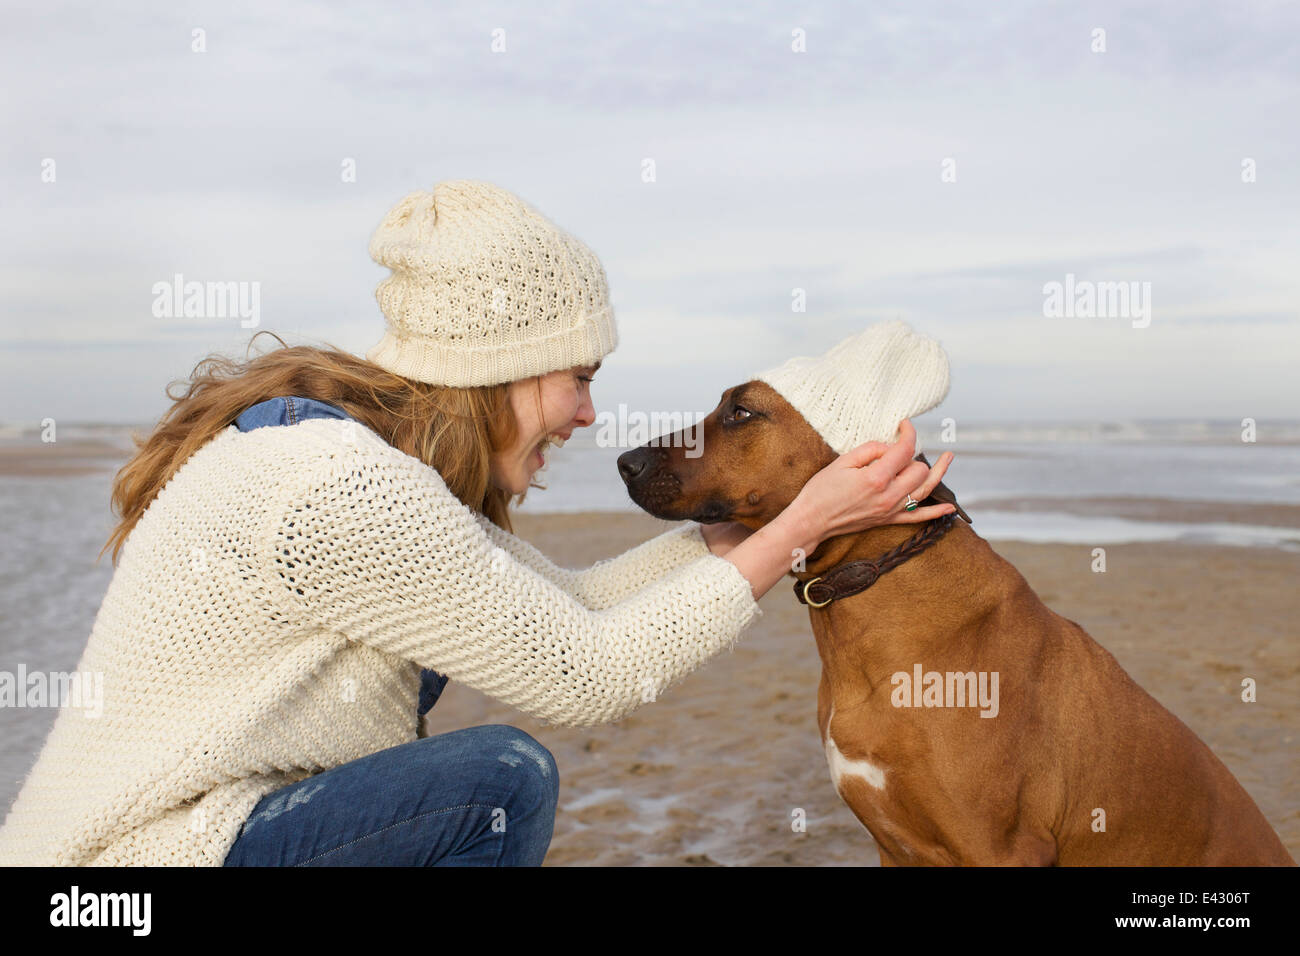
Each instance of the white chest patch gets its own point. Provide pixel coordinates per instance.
(841, 766)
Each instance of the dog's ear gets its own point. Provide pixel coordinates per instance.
(942, 494)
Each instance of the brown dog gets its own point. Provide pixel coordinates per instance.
(964, 722)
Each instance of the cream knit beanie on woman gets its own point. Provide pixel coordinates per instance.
(863, 387)
(485, 290)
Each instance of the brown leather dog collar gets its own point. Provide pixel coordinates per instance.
(856, 576)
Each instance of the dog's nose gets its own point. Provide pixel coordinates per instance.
(632, 463)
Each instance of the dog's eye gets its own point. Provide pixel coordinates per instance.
(739, 413)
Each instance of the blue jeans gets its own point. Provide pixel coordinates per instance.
(482, 796)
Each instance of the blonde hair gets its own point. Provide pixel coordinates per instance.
(453, 430)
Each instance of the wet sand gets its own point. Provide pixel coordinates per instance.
(715, 771)
(76, 456)
(1154, 509)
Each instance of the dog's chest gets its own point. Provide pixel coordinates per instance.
(844, 768)
(862, 778)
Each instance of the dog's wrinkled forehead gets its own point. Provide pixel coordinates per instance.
(758, 397)
(761, 396)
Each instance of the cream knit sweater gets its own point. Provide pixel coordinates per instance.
(269, 617)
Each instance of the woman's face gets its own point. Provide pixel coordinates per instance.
(566, 405)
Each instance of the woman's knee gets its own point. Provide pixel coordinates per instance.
(521, 751)
(505, 751)
(522, 774)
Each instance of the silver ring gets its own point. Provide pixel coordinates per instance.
(911, 504)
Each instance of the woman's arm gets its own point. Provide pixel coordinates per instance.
(374, 546)
(607, 582)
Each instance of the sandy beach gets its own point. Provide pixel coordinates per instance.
(66, 457)
(712, 772)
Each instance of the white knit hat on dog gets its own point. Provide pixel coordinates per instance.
(863, 387)
(485, 290)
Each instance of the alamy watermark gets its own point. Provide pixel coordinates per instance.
(947, 689)
(81, 690)
(179, 299)
(624, 429)
(1085, 299)
(77, 908)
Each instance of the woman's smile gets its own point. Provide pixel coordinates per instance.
(541, 450)
(548, 408)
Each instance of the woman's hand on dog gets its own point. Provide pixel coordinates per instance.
(864, 488)
(868, 486)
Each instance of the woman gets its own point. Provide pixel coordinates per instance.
(278, 590)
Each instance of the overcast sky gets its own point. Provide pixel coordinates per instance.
(775, 170)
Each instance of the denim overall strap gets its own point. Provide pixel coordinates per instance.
(289, 410)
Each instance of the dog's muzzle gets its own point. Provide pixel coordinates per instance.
(633, 464)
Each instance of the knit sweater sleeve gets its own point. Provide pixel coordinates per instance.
(373, 545)
(612, 580)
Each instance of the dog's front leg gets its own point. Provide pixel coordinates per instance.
(1031, 850)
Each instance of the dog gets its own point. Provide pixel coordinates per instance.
(1065, 760)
